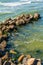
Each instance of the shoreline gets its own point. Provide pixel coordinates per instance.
(10, 25)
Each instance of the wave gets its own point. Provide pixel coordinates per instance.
(5, 12)
(21, 2)
(15, 3)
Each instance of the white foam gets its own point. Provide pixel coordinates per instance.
(15, 3)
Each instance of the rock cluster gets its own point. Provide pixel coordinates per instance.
(11, 24)
(26, 18)
(8, 26)
(22, 60)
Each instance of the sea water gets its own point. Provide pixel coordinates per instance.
(29, 38)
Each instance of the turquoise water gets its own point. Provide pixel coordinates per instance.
(29, 38)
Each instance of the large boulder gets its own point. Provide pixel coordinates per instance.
(30, 61)
(11, 27)
(20, 22)
(21, 16)
(20, 58)
(33, 61)
(36, 16)
(26, 20)
(5, 56)
(39, 62)
(24, 61)
(3, 45)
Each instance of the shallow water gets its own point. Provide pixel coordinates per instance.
(28, 38)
